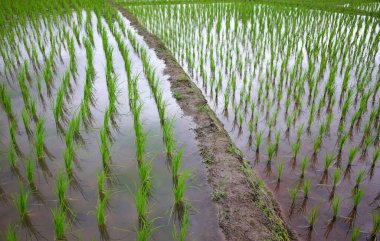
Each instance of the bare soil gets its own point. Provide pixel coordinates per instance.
(246, 209)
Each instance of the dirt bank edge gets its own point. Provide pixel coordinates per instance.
(246, 209)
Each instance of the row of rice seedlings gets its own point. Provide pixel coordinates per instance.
(179, 179)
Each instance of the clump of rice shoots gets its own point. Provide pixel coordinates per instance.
(60, 225)
(10, 234)
(40, 138)
(61, 186)
(21, 201)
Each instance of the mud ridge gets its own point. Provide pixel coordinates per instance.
(246, 209)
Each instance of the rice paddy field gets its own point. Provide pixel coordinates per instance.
(96, 144)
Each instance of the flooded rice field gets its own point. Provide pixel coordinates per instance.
(297, 90)
(93, 144)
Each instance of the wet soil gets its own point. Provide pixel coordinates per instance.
(246, 209)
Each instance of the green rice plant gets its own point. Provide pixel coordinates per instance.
(335, 206)
(375, 226)
(359, 180)
(357, 197)
(145, 170)
(185, 223)
(30, 170)
(40, 138)
(312, 218)
(295, 147)
(58, 107)
(277, 140)
(250, 128)
(21, 201)
(12, 132)
(271, 148)
(304, 163)
(317, 144)
(61, 185)
(179, 189)
(279, 171)
(100, 208)
(68, 157)
(355, 234)
(10, 234)
(141, 199)
(336, 177)
(167, 129)
(329, 158)
(104, 148)
(259, 136)
(306, 188)
(176, 164)
(59, 220)
(26, 120)
(12, 156)
(375, 157)
(299, 133)
(351, 156)
(293, 196)
(145, 231)
(101, 181)
(6, 101)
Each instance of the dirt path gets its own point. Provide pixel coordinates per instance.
(246, 209)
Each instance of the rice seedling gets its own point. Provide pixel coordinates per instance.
(101, 181)
(306, 188)
(351, 156)
(375, 227)
(104, 148)
(271, 148)
(258, 141)
(335, 206)
(176, 164)
(295, 147)
(329, 158)
(12, 160)
(355, 234)
(21, 201)
(100, 208)
(6, 101)
(61, 186)
(68, 158)
(10, 234)
(358, 180)
(304, 163)
(145, 231)
(145, 169)
(141, 205)
(30, 171)
(179, 190)
(356, 198)
(279, 171)
(312, 218)
(185, 223)
(40, 138)
(375, 157)
(293, 196)
(60, 225)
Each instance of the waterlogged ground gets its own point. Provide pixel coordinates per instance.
(123, 181)
(295, 88)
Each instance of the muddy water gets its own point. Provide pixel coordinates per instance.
(121, 212)
(194, 35)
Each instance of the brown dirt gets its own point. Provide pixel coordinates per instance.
(246, 209)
